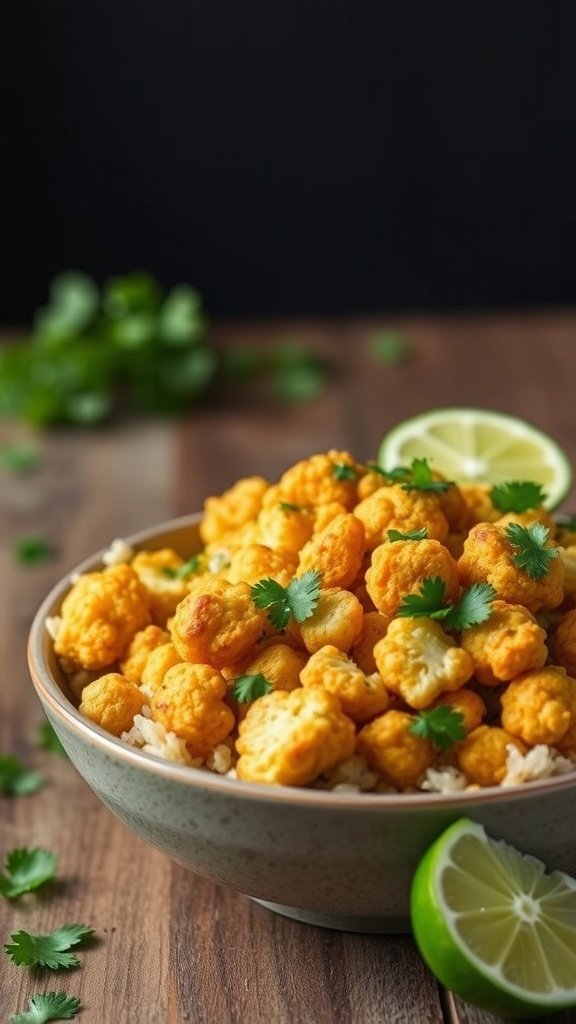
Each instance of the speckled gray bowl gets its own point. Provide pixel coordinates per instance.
(338, 860)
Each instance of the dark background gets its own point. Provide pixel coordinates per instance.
(287, 158)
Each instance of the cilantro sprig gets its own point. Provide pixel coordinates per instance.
(342, 471)
(531, 554)
(16, 779)
(473, 607)
(517, 496)
(26, 870)
(392, 476)
(395, 535)
(47, 1006)
(245, 689)
(441, 725)
(289, 506)
(50, 950)
(421, 479)
(298, 600)
(180, 572)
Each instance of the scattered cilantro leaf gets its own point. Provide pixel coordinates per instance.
(19, 458)
(15, 779)
(50, 950)
(288, 506)
(389, 347)
(421, 534)
(298, 600)
(47, 739)
(392, 476)
(429, 603)
(342, 471)
(421, 479)
(180, 572)
(33, 550)
(25, 870)
(517, 496)
(532, 555)
(442, 725)
(473, 607)
(249, 688)
(47, 1006)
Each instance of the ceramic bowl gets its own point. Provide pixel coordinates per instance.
(333, 859)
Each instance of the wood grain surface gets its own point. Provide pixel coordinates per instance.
(170, 946)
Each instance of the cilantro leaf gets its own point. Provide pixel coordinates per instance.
(19, 458)
(441, 725)
(342, 471)
(422, 479)
(47, 1006)
(517, 496)
(288, 506)
(428, 603)
(390, 475)
(473, 607)
(298, 600)
(180, 572)
(532, 555)
(15, 779)
(249, 688)
(388, 347)
(421, 534)
(25, 870)
(47, 739)
(50, 950)
(33, 550)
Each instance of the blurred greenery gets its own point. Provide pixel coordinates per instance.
(132, 346)
(389, 347)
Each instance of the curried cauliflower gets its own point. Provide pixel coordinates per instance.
(483, 755)
(563, 642)
(316, 481)
(538, 706)
(336, 551)
(419, 662)
(567, 556)
(157, 664)
(281, 526)
(468, 703)
(165, 592)
(488, 558)
(323, 515)
(100, 615)
(479, 504)
(337, 619)
(112, 701)
(362, 697)
(392, 508)
(374, 627)
(189, 702)
(290, 738)
(399, 568)
(238, 505)
(508, 643)
(391, 749)
(217, 625)
(279, 663)
(256, 561)
(135, 657)
(532, 515)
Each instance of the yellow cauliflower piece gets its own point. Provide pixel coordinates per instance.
(419, 662)
(336, 551)
(189, 702)
(281, 526)
(157, 664)
(361, 696)
(562, 644)
(100, 615)
(280, 664)
(567, 556)
(399, 568)
(136, 655)
(217, 625)
(468, 703)
(392, 508)
(479, 504)
(391, 749)
(290, 738)
(240, 504)
(374, 627)
(483, 755)
(256, 562)
(532, 515)
(453, 506)
(488, 558)
(323, 515)
(337, 619)
(112, 701)
(164, 592)
(538, 706)
(314, 481)
(506, 644)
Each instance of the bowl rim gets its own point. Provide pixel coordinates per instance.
(62, 708)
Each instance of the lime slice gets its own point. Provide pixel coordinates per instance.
(493, 926)
(478, 445)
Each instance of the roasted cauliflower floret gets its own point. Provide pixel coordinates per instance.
(285, 526)
(153, 569)
(337, 619)
(238, 505)
(562, 644)
(479, 504)
(453, 506)
(532, 515)
(468, 703)
(325, 514)
(256, 562)
(362, 697)
(374, 627)
(280, 664)
(157, 664)
(190, 703)
(318, 480)
(419, 662)
(489, 558)
(135, 657)
(392, 508)
(336, 552)
(399, 568)
(508, 643)
(391, 749)
(112, 701)
(217, 625)
(100, 615)
(290, 738)
(538, 706)
(567, 556)
(483, 755)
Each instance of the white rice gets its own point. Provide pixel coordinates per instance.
(118, 552)
(541, 762)
(444, 780)
(220, 760)
(219, 560)
(53, 624)
(153, 738)
(350, 776)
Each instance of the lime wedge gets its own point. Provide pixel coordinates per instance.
(493, 926)
(480, 446)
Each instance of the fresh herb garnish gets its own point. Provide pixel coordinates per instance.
(33, 550)
(394, 535)
(517, 496)
(392, 476)
(441, 725)
(473, 607)
(531, 554)
(342, 471)
(50, 950)
(249, 688)
(47, 1006)
(288, 506)
(15, 779)
(298, 600)
(180, 572)
(47, 739)
(25, 870)
(421, 479)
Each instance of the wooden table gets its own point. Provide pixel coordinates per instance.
(170, 946)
